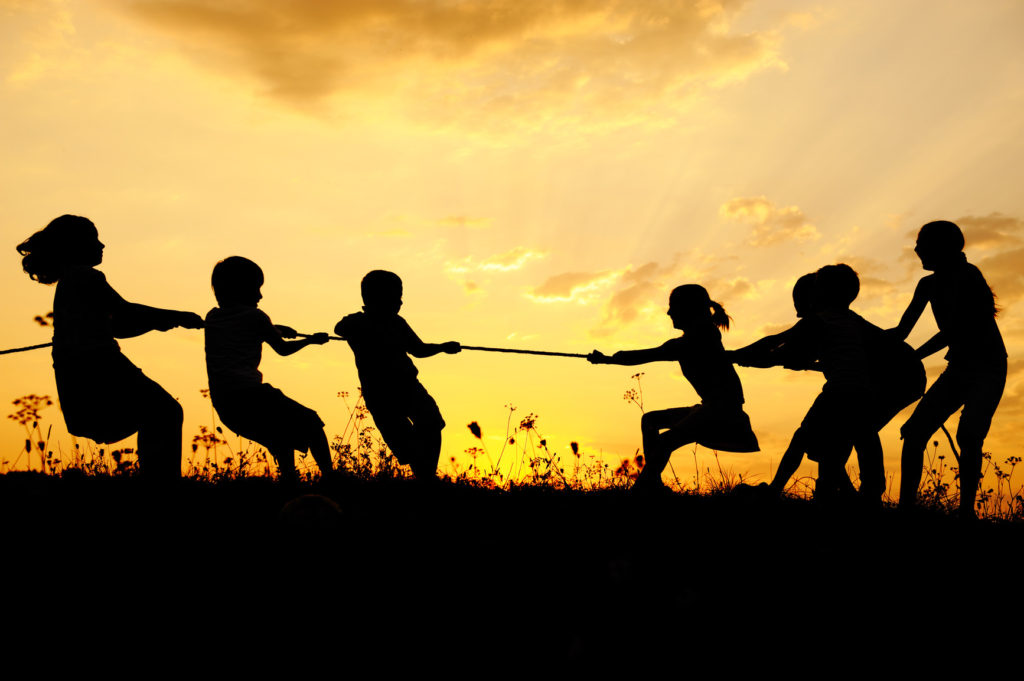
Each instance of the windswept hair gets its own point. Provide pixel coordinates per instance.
(695, 297)
(48, 253)
(380, 286)
(234, 278)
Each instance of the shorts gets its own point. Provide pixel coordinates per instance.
(106, 398)
(267, 416)
(401, 414)
(835, 420)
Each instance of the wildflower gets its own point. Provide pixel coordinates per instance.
(474, 428)
(575, 448)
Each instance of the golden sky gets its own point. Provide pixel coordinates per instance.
(539, 173)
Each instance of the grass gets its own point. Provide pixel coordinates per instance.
(360, 453)
(522, 556)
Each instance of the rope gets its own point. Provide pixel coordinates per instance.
(476, 347)
(28, 347)
(524, 352)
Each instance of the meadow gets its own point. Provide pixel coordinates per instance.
(520, 552)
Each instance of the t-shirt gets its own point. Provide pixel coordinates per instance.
(964, 310)
(234, 346)
(702, 358)
(381, 345)
(83, 315)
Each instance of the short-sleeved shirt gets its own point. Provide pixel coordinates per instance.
(381, 345)
(234, 347)
(83, 315)
(702, 358)
(964, 310)
(840, 342)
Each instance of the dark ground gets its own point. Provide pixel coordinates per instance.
(542, 575)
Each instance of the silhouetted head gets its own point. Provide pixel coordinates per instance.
(939, 243)
(382, 291)
(803, 295)
(690, 305)
(67, 241)
(835, 286)
(237, 281)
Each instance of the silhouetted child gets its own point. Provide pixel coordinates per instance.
(965, 310)
(404, 412)
(869, 379)
(719, 421)
(103, 396)
(235, 333)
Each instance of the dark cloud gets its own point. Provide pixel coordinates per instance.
(574, 59)
(769, 223)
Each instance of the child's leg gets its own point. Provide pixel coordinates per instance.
(937, 405)
(659, 446)
(285, 457)
(791, 460)
(982, 399)
(321, 451)
(424, 464)
(159, 431)
(872, 468)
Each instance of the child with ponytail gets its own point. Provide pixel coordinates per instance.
(719, 421)
(103, 396)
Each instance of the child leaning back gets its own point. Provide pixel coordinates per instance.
(719, 421)
(403, 411)
(235, 333)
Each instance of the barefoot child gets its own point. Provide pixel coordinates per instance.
(235, 333)
(405, 414)
(719, 421)
(103, 396)
(975, 376)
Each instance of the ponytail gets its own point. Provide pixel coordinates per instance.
(718, 316)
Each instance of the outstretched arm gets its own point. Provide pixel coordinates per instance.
(132, 319)
(913, 313)
(632, 357)
(275, 337)
(761, 353)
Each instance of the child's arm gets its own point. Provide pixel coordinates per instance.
(421, 349)
(760, 353)
(131, 319)
(633, 357)
(274, 336)
(417, 348)
(931, 346)
(913, 313)
(790, 349)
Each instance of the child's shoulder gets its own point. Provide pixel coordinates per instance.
(237, 314)
(80, 275)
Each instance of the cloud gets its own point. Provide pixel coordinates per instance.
(771, 224)
(571, 286)
(632, 289)
(1004, 272)
(521, 62)
(511, 260)
(994, 230)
